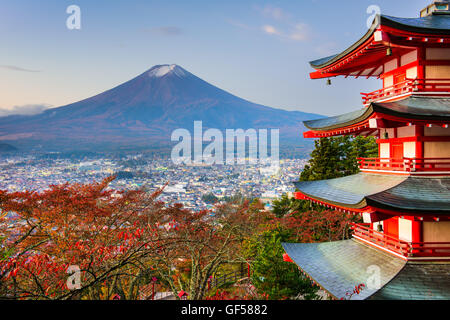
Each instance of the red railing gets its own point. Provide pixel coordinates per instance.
(406, 164)
(404, 248)
(407, 86)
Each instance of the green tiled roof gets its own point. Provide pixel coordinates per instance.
(350, 191)
(434, 24)
(418, 282)
(413, 107)
(420, 107)
(423, 194)
(342, 120)
(341, 265)
(416, 194)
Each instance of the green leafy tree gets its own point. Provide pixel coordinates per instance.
(336, 157)
(272, 276)
(289, 205)
(282, 206)
(209, 198)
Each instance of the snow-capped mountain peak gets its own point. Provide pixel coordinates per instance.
(161, 71)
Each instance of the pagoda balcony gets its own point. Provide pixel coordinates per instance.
(404, 249)
(411, 165)
(409, 86)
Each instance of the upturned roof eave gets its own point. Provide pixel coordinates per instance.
(374, 109)
(380, 20)
(386, 192)
(317, 64)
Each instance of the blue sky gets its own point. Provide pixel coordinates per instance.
(257, 50)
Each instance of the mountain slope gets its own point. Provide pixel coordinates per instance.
(4, 147)
(143, 112)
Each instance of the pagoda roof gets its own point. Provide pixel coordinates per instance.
(425, 108)
(424, 195)
(433, 25)
(418, 282)
(339, 266)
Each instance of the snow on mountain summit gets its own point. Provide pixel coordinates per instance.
(161, 71)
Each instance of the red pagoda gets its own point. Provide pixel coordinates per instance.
(402, 250)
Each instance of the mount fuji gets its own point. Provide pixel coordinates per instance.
(143, 112)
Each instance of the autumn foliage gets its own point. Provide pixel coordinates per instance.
(121, 240)
(118, 240)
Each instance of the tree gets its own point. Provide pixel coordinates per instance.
(107, 235)
(289, 205)
(336, 157)
(282, 206)
(319, 226)
(118, 240)
(205, 244)
(209, 198)
(273, 276)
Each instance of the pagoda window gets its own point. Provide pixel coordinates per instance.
(438, 72)
(388, 81)
(436, 231)
(411, 73)
(390, 65)
(405, 229)
(437, 149)
(408, 131)
(436, 131)
(384, 151)
(408, 58)
(409, 149)
(438, 53)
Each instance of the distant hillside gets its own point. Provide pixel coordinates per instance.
(4, 147)
(144, 111)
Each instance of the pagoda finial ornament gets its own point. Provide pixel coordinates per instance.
(437, 7)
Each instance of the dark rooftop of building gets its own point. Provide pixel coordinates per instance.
(341, 265)
(434, 25)
(413, 107)
(418, 282)
(427, 195)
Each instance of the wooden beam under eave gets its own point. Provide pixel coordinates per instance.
(319, 75)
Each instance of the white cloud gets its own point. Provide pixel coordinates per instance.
(281, 25)
(16, 68)
(299, 32)
(270, 30)
(29, 109)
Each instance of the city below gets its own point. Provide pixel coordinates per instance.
(197, 187)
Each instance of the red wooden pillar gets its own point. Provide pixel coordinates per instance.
(417, 234)
(419, 133)
(421, 61)
(416, 231)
